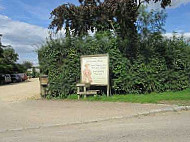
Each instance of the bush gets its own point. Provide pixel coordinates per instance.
(161, 64)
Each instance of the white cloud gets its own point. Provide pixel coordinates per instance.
(177, 3)
(174, 4)
(185, 35)
(22, 37)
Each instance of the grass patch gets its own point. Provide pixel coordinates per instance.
(145, 98)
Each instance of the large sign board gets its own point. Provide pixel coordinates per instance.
(95, 69)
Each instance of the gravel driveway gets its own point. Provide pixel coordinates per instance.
(20, 91)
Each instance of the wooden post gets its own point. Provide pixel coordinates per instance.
(85, 91)
(41, 90)
(108, 86)
(78, 90)
(108, 91)
(78, 97)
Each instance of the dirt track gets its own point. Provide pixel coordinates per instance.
(20, 91)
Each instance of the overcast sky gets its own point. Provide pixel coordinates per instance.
(24, 23)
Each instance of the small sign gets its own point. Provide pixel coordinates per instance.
(44, 80)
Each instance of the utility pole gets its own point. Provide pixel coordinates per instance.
(1, 49)
(0, 40)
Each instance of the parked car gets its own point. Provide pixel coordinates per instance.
(23, 76)
(8, 78)
(5, 78)
(2, 79)
(16, 78)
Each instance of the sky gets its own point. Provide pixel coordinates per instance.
(24, 23)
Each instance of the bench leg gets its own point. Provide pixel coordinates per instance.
(84, 92)
(78, 97)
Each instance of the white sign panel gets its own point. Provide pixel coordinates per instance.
(95, 69)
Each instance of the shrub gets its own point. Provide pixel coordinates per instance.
(161, 64)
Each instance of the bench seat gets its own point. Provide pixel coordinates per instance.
(89, 92)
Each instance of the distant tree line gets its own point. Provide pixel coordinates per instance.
(8, 62)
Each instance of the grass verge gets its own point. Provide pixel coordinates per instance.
(166, 97)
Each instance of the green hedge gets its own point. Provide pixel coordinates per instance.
(161, 65)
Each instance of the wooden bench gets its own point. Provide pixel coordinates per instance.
(82, 89)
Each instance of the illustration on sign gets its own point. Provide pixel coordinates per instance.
(95, 69)
(87, 74)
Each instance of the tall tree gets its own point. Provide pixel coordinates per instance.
(27, 64)
(10, 56)
(8, 62)
(1, 49)
(90, 15)
(95, 14)
(150, 22)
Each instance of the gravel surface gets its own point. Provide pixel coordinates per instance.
(20, 91)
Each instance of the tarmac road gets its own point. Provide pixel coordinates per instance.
(165, 127)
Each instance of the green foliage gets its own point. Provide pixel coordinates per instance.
(162, 64)
(101, 15)
(8, 63)
(10, 56)
(60, 59)
(27, 64)
(150, 21)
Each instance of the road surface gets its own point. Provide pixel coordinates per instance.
(169, 127)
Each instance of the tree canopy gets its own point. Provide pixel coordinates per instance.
(99, 15)
(119, 16)
(27, 64)
(8, 61)
(10, 56)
